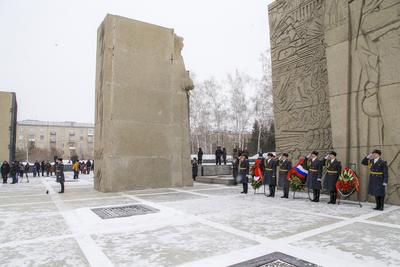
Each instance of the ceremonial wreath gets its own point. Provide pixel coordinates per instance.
(257, 175)
(348, 182)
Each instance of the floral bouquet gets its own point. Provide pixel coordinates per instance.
(256, 183)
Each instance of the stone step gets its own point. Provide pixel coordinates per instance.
(223, 179)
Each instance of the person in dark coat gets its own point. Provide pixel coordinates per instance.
(218, 155)
(284, 167)
(314, 175)
(48, 168)
(270, 174)
(88, 166)
(14, 172)
(334, 167)
(5, 170)
(244, 169)
(42, 167)
(235, 169)
(26, 171)
(195, 168)
(378, 177)
(37, 166)
(20, 169)
(224, 155)
(200, 156)
(60, 174)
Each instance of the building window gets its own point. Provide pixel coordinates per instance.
(21, 137)
(31, 138)
(90, 139)
(81, 138)
(90, 131)
(41, 137)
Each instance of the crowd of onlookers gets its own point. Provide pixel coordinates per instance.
(17, 170)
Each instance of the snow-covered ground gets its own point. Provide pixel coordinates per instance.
(207, 225)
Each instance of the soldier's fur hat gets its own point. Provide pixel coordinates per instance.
(333, 153)
(285, 155)
(377, 151)
(270, 154)
(314, 153)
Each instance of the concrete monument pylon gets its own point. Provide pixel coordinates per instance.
(142, 122)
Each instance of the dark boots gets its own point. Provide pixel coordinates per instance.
(271, 191)
(380, 202)
(316, 193)
(285, 192)
(333, 198)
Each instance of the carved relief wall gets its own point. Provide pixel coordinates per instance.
(299, 72)
(363, 47)
(342, 58)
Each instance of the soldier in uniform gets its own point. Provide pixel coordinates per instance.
(314, 175)
(60, 174)
(334, 167)
(244, 168)
(284, 167)
(378, 177)
(270, 174)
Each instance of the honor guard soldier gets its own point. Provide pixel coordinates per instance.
(314, 175)
(334, 167)
(378, 177)
(244, 168)
(270, 174)
(284, 167)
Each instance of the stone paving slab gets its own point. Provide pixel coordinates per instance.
(378, 245)
(168, 246)
(392, 217)
(65, 252)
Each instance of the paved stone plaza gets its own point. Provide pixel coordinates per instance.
(207, 225)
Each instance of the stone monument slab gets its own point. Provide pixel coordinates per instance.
(141, 125)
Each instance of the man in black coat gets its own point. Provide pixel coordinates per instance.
(224, 155)
(218, 155)
(60, 174)
(5, 170)
(270, 174)
(314, 175)
(43, 167)
(378, 177)
(284, 167)
(334, 167)
(235, 169)
(14, 171)
(200, 156)
(37, 165)
(244, 168)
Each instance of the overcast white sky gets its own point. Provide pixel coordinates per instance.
(48, 47)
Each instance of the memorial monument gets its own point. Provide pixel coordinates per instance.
(336, 82)
(142, 122)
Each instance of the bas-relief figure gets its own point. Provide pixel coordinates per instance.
(373, 28)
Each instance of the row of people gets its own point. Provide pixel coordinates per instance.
(271, 166)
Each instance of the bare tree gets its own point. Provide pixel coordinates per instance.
(263, 99)
(240, 114)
